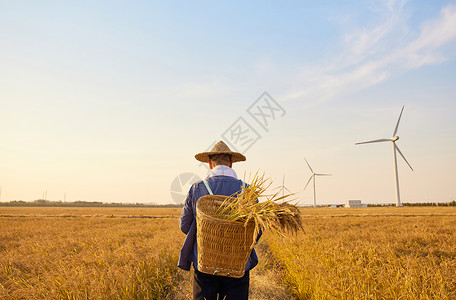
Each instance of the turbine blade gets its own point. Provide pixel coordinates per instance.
(397, 148)
(375, 141)
(323, 174)
(398, 120)
(309, 166)
(308, 182)
(287, 189)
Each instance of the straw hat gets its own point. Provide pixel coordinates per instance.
(220, 148)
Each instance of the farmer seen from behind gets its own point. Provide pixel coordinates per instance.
(222, 180)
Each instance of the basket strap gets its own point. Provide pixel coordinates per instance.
(243, 185)
(208, 187)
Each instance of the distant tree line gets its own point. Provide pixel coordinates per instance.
(452, 203)
(48, 203)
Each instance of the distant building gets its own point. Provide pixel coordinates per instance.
(355, 203)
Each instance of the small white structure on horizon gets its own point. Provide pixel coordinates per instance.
(355, 203)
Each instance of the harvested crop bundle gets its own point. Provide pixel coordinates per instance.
(249, 206)
(228, 227)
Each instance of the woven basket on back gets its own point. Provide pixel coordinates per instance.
(223, 245)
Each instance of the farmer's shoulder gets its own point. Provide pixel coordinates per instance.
(197, 186)
(226, 181)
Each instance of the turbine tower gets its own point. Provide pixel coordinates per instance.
(395, 148)
(313, 177)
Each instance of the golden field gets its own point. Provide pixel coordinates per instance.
(89, 211)
(131, 253)
(88, 258)
(371, 258)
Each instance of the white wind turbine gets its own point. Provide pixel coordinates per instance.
(313, 177)
(395, 148)
(284, 187)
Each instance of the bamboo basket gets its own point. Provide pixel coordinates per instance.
(224, 246)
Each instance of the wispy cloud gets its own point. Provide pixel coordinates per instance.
(434, 35)
(374, 54)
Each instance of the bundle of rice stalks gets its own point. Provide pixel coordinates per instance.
(268, 214)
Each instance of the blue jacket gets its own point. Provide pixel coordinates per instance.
(220, 185)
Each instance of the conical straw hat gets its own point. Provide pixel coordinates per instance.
(220, 148)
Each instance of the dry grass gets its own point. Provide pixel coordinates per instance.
(96, 258)
(371, 258)
(378, 211)
(367, 253)
(266, 281)
(89, 211)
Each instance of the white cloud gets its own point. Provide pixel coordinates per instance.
(434, 35)
(364, 42)
(372, 55)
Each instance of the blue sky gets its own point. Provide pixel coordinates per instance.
(109, 101)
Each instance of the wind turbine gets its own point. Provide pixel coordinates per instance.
(284, 187)
(313, 177)
(395, 148)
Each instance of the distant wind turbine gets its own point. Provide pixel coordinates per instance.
(284, 187)
(395, 148)
(313, 177)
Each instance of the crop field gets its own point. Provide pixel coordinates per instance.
(132, 253)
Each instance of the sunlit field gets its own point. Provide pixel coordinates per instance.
(392, 257)
(88, 258)
(132, 253)
(89, 211)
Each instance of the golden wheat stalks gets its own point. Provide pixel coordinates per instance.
(246, 207)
